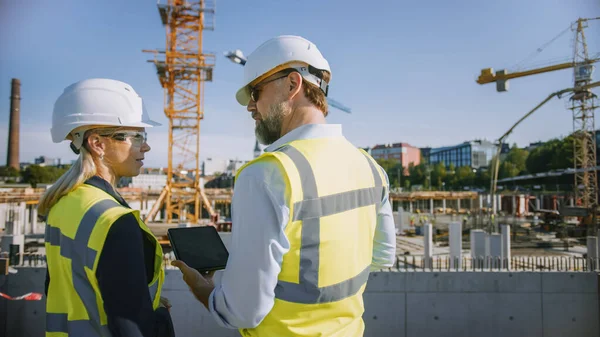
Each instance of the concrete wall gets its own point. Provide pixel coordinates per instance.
(404, 304)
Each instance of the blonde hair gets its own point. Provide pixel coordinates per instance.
(83, 169)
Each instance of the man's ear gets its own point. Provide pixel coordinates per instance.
(95, 145)
(295, 84)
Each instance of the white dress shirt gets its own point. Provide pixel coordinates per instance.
(245, 293)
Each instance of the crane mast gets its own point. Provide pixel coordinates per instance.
(583, 104)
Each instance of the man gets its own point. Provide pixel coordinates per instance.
(311, 216)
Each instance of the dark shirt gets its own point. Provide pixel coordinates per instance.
(125, 268)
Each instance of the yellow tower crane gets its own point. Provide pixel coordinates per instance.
(583, 104)
(182, 69)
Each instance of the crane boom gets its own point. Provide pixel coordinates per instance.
(488, 76)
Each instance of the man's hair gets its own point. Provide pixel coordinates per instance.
(316, 96)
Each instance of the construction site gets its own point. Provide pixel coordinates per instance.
(498, 262)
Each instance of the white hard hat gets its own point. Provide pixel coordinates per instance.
(96, 102)
(279, 53)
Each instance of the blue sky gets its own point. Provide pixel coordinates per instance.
(406, 68)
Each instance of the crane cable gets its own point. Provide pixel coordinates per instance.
(519, 65)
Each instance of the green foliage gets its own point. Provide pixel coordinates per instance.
(553, 155)
(36, 174)
(8, 171)
(394, 171)
(514, 164)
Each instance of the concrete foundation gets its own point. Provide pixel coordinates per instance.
(428, 244)
(495, 243)
(506, 254)
(403, 304)
(455, 238)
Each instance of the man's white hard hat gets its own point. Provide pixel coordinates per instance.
(97, 102)
(286, 51)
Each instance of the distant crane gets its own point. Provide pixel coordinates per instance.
(583, 104)
(237, 56)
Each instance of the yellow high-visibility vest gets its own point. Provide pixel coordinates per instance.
(76, 230)
(334, 191)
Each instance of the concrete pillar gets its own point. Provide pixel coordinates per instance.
(592, 253)
(431, 210)
(400, 223)
(457, 205)
(27, 229)
(444, 205)
(455, 238)
(538, 204)
(480, 247)
(470, 204)
(514, 205)
(428, 245)
(506, 254)
(495, 250)
(481, 201)
(571, 202)
(34, 217)
(494, 205)
(410, 206)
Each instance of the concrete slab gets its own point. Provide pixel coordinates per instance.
(521, 282)
(386, 282)
(498, 315)
(570, 315)
(385, 315)
(557, 282)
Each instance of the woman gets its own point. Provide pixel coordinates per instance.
(104, 265)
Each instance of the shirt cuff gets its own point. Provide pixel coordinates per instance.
(213, 311)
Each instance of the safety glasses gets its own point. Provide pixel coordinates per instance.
(137, 138)
(254, 91)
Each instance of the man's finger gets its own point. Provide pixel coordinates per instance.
(182, 266)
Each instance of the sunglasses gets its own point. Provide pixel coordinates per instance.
(137, 138)
(254, 91)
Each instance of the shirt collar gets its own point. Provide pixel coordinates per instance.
(105, 186)
(307, 131)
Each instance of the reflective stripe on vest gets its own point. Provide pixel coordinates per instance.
(81, 256)
(310, 210)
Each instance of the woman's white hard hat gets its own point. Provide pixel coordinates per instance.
(286, 51)
(97, 102)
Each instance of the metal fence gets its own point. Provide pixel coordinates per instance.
(491, 263)
(406, 263)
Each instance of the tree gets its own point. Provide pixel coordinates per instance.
(36, 174)
(9, 171)
(482, 179)
(394, 171)
(417, 174)
(465, 176)
(438, 175)
(514, 164)
(556, 154)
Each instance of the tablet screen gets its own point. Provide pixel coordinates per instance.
(200, 248)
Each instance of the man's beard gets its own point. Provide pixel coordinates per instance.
(268, 130)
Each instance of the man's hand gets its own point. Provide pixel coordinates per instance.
(201, 286)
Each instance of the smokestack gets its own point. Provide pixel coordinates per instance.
(12, 157)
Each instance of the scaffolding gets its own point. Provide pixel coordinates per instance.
(182, 69)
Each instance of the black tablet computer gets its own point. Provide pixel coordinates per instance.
(200, 248)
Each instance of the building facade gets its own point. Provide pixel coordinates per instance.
(476, 154)
(400, 152)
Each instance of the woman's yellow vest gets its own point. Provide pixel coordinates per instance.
(335, 192)
(76, 229)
